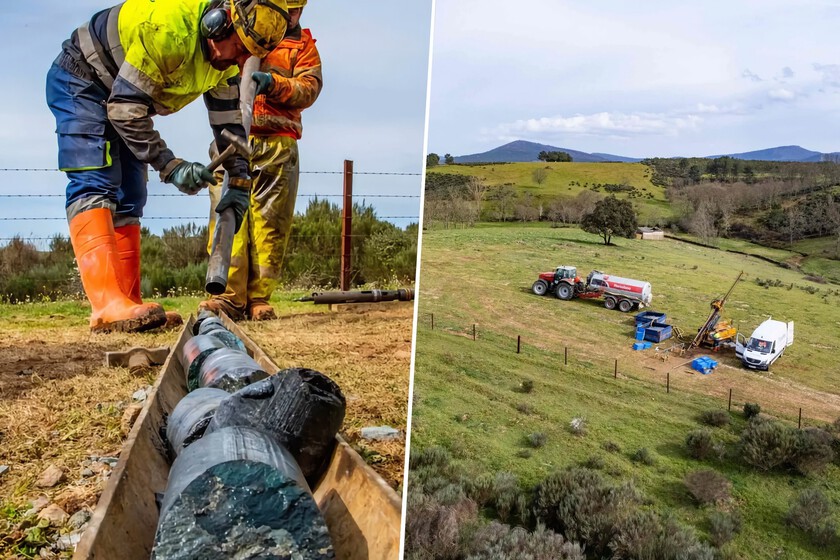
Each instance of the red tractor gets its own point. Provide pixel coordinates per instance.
(623, 294)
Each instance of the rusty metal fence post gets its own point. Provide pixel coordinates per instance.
(347, 226)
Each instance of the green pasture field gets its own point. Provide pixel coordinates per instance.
(561, 175)
(467, 393)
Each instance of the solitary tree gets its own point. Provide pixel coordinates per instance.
(448, 159)
(432, 160)
(610, 217)
(539, 175)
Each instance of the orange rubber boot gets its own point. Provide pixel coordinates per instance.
(128, 247)
(95, 246)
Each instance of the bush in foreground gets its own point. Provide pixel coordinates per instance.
(708, 486)
(701, 445)
(497, 541)
(767, 445)
(751, 410)
(811, 512)
(716, 418)
(723, 526)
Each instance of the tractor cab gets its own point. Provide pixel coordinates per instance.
(565, 273)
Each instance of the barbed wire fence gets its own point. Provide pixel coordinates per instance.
(656, 372)
(5, 239)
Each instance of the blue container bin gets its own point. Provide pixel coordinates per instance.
(658, 332)
(645, 318)
(703, 364)
(640, 333)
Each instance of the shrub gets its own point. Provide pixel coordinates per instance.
(715, 418)
(506, 490)
(708, 486)
(611, 446)
(767, 445)
(537, 440)
(497, 541)
(644, 534)
(751, 410)
(480, 488)
(433, 530)
(434, 456)
(814, 451)
(811, 512)
(524, 453)
(595, 462)
(723, 526)
(526, 386)
(578, 426)
(582, 505)
(643, 456)
(525, 408)
(701, 445)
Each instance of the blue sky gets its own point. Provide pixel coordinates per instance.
(650, 78)
(372, 110)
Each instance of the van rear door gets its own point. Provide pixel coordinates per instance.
(740, 344)
(789, 333)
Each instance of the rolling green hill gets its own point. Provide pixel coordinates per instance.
(467, 397)
(570, 179)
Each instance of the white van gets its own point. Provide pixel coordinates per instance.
(766, 344)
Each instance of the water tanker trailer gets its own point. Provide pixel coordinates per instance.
(619, 293)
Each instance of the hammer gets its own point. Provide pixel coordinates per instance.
(237, 144)
(215, 282)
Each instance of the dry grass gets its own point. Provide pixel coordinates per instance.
(59, 404)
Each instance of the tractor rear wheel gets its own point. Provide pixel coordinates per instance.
(540, 287)
(609, 302)
(625, 305)
(564, 291)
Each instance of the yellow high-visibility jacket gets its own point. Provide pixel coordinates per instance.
(152, 58)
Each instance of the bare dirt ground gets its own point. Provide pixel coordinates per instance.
(60, 406)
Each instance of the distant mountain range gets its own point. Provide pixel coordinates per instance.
(522, 150)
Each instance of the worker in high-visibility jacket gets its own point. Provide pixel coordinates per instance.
(129, 63)
(288, 82)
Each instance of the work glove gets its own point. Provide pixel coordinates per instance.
(190, 177)
(264, 82)
(237, 200)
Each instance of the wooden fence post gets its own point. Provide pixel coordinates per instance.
(566, 356)
(615, 373)
(668, 383)
(730, 399)
(433, 321)
(800, 418)
(473, 331)
(518, 343)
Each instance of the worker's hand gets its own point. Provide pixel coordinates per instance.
(237, 200)
(264, 82)
(190, 177)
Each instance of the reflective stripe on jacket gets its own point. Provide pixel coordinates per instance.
(295, 66)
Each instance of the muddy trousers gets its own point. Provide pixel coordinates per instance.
(260, 245)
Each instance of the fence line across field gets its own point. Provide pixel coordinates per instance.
(612, 367)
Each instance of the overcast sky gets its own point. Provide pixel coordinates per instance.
(654, 78)
(372, 110)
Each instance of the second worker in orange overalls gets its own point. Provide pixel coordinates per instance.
(288, 82)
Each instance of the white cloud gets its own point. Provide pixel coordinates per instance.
(781, 94)
(610, 124)
(787, 72)
(750, 75)
(830, 73)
